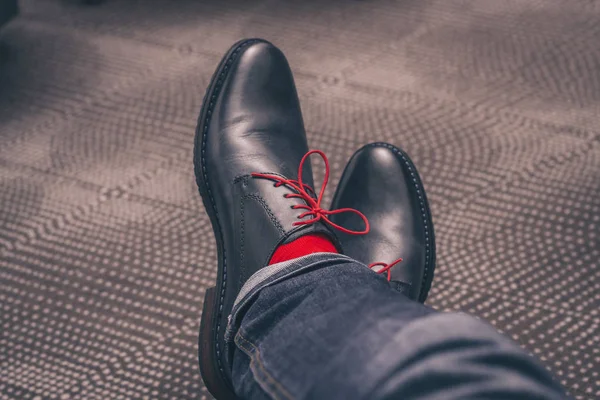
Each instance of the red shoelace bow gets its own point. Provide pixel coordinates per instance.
(313, 206)
(386, 268)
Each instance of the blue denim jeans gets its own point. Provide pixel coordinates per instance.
(326, 327)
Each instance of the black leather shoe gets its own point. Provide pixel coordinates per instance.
(250, 142)
(382, 182)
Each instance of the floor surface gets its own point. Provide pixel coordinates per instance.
(106, 251)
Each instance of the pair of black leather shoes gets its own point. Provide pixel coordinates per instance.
(254, 179)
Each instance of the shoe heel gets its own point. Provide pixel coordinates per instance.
(209, 369)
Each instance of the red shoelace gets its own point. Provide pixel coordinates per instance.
(386, 268)
(313, 206)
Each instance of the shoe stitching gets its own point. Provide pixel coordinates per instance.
(212, 101)
(273, 218)
(266, 207)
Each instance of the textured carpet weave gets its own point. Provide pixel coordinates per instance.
(105, 249)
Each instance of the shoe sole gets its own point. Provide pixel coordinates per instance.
(208, 355)
(427, 220)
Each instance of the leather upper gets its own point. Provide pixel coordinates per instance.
(256, 126)
(381, 182)
(251, 123)
(256, 123)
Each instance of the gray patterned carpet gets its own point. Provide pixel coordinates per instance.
(106, 250)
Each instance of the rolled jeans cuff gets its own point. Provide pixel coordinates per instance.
(273, 274)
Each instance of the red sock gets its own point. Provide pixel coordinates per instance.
(302, 246)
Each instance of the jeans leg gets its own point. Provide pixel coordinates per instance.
(341, 332)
